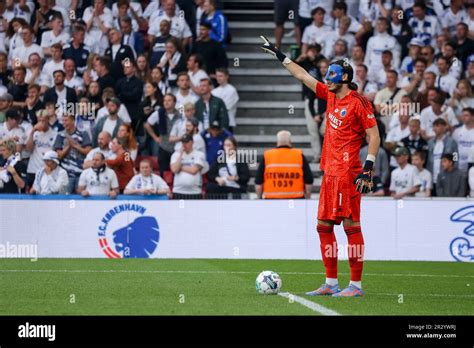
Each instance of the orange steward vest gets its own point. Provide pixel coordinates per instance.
(283, 176)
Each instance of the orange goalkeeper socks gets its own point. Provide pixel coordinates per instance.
(355, 251)
(328, 246)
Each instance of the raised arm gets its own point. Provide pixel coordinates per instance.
(297, 71)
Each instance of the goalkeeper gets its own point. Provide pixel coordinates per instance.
(349, 117)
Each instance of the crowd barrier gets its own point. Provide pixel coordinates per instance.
(154, 227)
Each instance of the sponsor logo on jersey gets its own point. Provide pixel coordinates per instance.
(334, 121)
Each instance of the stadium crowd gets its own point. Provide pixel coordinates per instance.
(107, 97)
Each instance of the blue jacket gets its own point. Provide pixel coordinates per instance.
(219, 31)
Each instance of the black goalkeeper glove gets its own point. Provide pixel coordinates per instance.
(268, 47)
(363, 181)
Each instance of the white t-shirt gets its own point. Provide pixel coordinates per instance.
(446, 83)
(330, 39)
(395, 135)
(122, 114)
(107, 181)
(107, 153)
(404, 179)
(109, 125)
(427, 117)
(48, 38)
(313, 34)
(182, 100)
(449, 20)
(49, 68)
(471, 181)
(23, 53)
(55, 182)
(17, 133)
(197, 77)
(465, 139)
(179, 28)
(229, 95)
(42, 142)
(186, 183)
(153, 182)
(426, 183)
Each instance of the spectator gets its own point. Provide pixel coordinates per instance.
(60, 94)
(339, 10)
(143, 69)
(414, 142)
(13, 171)
(185, 94)
(428, 84)
(365, 87)
(283, 162)
(445, 81)
(439, 145)
(210, 108)
(119, 54)
(211, 51)
(433, 112)
(11, 129)
(191, 128)
(158, 45)
(453, 15)
(157, 77)
(426, 180)
(123, 114)
(218, 23)
(13, 37)
(399, 29)
(57, 34)
(455, 64)
(103, 146)
(158, 127)
(315, 32)
(381, 42)
(102, 68)
(6, 101)
(214, 137)
(40, 141)
(72, 80)
(396, 134)
(465, 45)
(425, 27)
(55, 63)
(99, 20)
(414, 49)
(33, 104)
(179, 28)
(122, 163)
(34, 72)
(172, 62)
(389, 95)
(77, 50)
(333, 38)
(281, 9)
(146, 182)
(54, 123)
(380, 77)
(188, 166)
(50, 178)
(125, 131)
(451, 181)
(18, 88)
(72, 147)
(229, 175)
(228, 94)
(462, 97)
(131, 36)
(21, 54)
(381, 168)
(129, 90)
(110, 123)
(405, 180)
(42, 18)
(98, 179)
(464, 137)
(412, 82)
(195, 72)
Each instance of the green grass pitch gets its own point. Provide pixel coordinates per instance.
(225, 287)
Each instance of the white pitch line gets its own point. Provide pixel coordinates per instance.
(225, 272)
(309, 304)
(424, 295)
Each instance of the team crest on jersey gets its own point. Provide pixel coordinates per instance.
(343, 112)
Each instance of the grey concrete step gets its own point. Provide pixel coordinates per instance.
(256, 40)
(269, 88)
(270, 96)
(273, 105)
(270, 139)
(257, 25)
(254, 14)
(295, 129)
(251, 48)
(274, 109)
(288, 121)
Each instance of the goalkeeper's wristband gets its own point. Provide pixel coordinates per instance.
(368, 165)
(280, 55)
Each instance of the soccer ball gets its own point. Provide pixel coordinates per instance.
(268, 283)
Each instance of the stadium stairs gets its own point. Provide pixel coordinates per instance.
(268, 93)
